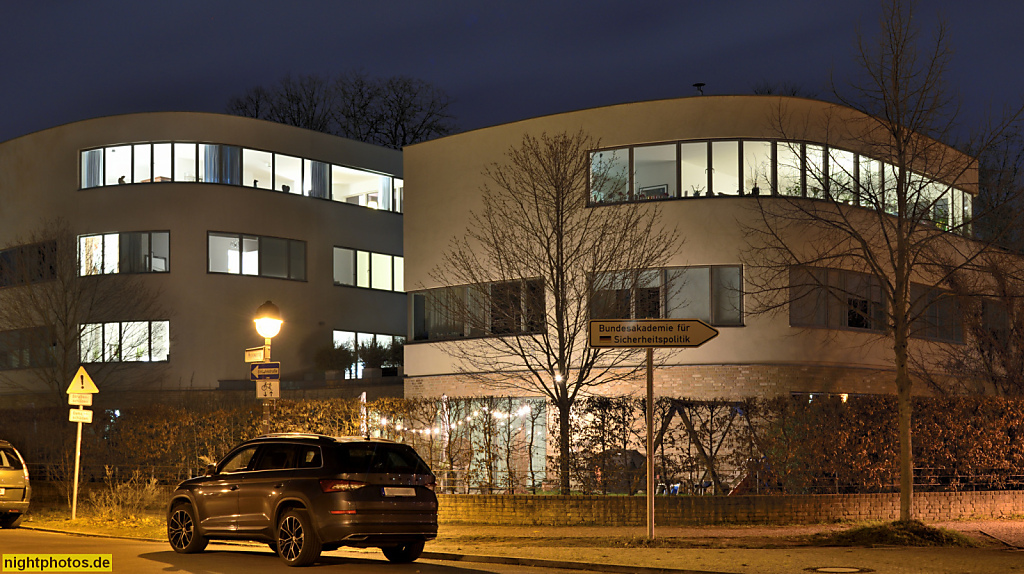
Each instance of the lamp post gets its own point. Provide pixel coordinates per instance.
(268, 325)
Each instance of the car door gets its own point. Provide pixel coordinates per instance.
(217, 496)
(262, 487)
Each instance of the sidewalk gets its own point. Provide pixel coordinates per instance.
(740, 549)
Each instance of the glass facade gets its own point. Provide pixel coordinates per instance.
(234, 165)
(712, 293)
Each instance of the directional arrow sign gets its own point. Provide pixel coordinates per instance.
(82, 383)
(260, 371)
(650, 333)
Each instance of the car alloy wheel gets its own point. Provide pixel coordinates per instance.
(181, 530)
(297, 542)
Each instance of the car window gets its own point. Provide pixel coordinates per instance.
(277, 457)
(309, 457)
(9, 460)
(239, 461)
(398, 460)
(380, 458)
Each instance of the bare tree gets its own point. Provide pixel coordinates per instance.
(392, 112)
(523, 274)
(45, 303)
(893, 226)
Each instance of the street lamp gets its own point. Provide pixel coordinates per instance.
(268, 325)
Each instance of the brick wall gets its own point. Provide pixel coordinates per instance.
(703, 382)
(698, 510)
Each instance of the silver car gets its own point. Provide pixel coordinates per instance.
(15, 490)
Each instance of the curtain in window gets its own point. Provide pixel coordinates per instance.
(222, 164)
(92, 168)
(319, 180)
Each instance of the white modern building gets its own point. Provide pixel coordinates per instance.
(706, 161)
(214, 214)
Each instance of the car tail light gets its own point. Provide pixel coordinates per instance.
(431, 485)
(340, 485)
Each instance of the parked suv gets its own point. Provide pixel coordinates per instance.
(303, 493)
(15, 490)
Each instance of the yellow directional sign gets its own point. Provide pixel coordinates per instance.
(82, 383)
(650, 333)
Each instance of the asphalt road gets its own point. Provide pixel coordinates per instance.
(143, 557)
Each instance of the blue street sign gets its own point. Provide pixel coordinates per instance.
(261, 371)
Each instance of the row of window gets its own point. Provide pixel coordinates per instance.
(130, 252)
(493, 309)
(711, 293)
(753, 167)
(839, 299)
(234, 165)
(234, 253)
(357, 268)
(128, 341)
(27, 264)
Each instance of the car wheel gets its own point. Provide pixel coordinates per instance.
(182, 531)
(11, 521)
(404, 552)
(297, 542)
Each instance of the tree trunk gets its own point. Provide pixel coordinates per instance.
(903, 386)
(563, 449)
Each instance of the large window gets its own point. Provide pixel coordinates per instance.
(129, 341)
(131, 252)
(715, 168)
(354, 339)
(492, 309)
(357, 268)
(26, 349)
(835, 299)
(240, 254)
(713, 294)
(936, 315)
(27, 264)
(234, 165)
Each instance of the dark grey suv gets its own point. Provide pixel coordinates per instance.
(304, 493)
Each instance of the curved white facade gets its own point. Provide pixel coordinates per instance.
(216, 251)
(742, 142)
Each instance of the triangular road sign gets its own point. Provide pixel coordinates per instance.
(82, 383)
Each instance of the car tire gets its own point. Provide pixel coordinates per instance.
(297, 541)
(403, 553)
(182, 530)
(11, 521)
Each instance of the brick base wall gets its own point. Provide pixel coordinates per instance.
(702, 382)
(523, 510)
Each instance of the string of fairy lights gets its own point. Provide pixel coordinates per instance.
(507, 418)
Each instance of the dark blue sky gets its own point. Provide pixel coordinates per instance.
(501, 61)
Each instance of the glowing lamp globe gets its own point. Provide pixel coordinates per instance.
(268, 320)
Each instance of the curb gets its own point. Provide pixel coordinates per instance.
(561, 564)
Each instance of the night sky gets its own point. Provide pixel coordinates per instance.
(500, 61)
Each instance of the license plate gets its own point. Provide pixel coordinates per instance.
(396, 491)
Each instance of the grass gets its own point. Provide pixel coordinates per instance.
(150, 524)
(900, 533)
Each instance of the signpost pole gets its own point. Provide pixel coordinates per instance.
(266, 402)
(650, 443)
(78, 455)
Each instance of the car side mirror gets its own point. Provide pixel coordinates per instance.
(211, 470)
